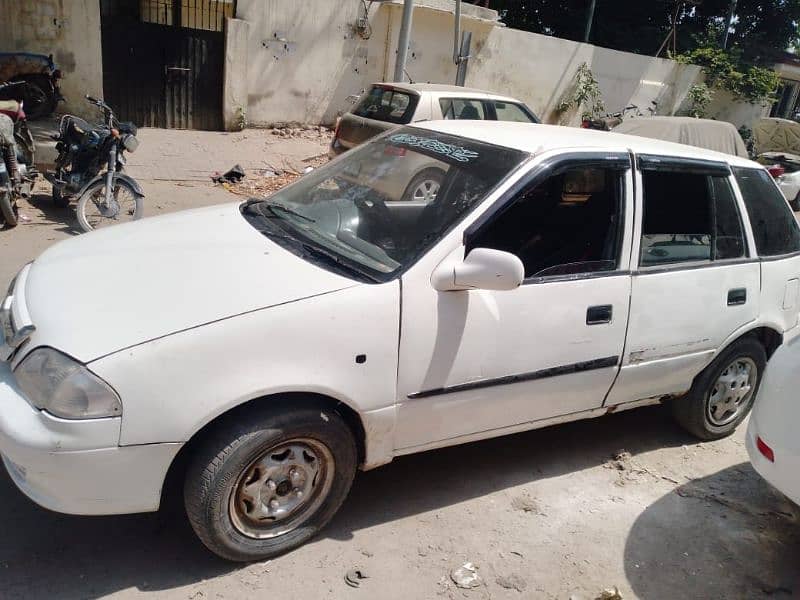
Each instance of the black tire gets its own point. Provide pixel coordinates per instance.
(692, 411)
(8, 209)
(427, 175)
(217, 472)
(38, 96)
(97, 188)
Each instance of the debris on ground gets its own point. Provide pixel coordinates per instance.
(512, 582)
(466, 576)
(610, 594)
(288, 131)
(354, 577)
(264, 182)
(233, 175)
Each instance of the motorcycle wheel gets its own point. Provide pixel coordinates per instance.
(8, 209)
(93, 212)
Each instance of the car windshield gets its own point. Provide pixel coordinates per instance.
(375, 211)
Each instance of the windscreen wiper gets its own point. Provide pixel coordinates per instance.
(337, 260)
(273, 207)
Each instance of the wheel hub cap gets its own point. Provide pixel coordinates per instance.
(281, 488)
(731, 392)
(426, 191)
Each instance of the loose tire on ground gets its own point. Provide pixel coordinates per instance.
(718, 382)
(223, 478)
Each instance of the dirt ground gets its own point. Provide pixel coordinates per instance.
(626, 501)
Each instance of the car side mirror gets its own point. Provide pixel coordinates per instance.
(481, 269)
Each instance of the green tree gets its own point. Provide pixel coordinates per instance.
(762, 29)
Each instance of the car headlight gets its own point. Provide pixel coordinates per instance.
(64, 387)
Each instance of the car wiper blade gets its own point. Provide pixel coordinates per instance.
(338, 260)
(272, 207)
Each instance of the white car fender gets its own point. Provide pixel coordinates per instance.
(342, 345)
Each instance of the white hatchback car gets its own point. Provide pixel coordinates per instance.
(260, 353)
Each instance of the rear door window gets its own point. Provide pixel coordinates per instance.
(387, 104)
(774, 226)
(689, 217)
(462, 109)
(508, 111)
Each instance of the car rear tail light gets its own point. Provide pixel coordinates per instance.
(394, 151)
(585, 124)
(776, 171)
(765, 450)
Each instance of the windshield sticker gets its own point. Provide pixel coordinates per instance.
(456, 153)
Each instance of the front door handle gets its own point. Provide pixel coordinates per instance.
(737, 296)
(596, 315)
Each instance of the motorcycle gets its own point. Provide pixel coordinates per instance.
(104, 197)
(17, 150)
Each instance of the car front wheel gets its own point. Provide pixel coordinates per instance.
(723, 393)
(264, 484)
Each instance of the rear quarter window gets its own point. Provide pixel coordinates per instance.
(774, 227)
(387, 104)
(508, 111)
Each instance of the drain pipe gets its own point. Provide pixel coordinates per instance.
(403, 41)
(457, 35)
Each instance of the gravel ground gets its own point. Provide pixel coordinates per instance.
(626, 501)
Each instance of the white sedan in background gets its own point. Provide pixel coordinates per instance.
(772, 440)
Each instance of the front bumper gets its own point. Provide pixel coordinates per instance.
(77, 467)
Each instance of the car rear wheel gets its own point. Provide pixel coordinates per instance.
(723, 393)
(424, 187)
(263, 485)
(38, 97)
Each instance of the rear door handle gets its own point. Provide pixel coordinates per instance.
(737, 296)
(596, 315)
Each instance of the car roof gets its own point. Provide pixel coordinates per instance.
(445, 90)
(535, 138)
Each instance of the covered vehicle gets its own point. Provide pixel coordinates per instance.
(720, 136)
(777, 143)
(41, 76)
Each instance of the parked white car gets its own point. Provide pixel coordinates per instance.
(260, 353)
(772, 440)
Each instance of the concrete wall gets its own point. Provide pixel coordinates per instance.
(235, 86)
(68, 29)
(305, 58)
(724, 107)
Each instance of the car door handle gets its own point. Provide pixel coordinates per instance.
(737, 296)
(596, 315)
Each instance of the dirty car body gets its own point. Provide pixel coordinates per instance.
(331, 327)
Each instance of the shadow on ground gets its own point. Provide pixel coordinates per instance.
(728, 535)
(43, 553)
(52, 214)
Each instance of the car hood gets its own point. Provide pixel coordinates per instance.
(121, 286)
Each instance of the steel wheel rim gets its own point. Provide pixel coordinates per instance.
(265, 503)
(426, 191)
(731, 392)
(121, 209)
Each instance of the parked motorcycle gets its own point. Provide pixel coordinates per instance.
(104, 197)
(17, 152)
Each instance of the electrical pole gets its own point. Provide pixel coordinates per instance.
(728, 24)
(589, 19)
(403, 41)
